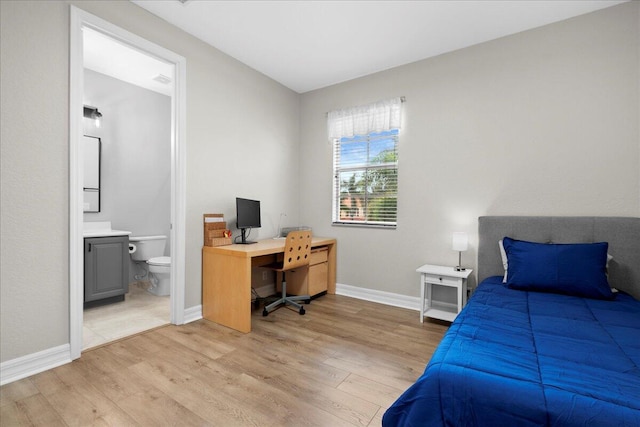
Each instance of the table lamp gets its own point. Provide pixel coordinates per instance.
(460, 243)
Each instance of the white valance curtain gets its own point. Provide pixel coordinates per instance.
(364, 119)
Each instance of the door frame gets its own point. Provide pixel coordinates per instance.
(79, 20)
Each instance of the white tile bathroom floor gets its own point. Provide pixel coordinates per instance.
(139, 312)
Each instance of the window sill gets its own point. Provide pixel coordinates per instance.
(366, 225)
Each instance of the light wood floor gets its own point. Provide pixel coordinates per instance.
(342, 364)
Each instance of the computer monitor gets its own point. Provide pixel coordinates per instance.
(247, 217)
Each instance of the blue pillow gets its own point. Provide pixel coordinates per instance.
(573, 269)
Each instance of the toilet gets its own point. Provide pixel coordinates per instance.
(150, 249)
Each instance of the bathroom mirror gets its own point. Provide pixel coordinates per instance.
(91, 181)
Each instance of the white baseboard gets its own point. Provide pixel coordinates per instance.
(192, 314)
(382, 297)
(31, 364)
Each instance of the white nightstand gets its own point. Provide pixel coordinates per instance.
(442, 276)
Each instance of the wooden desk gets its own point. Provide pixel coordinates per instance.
(226, 278)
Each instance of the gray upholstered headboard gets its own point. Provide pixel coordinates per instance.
(622, 234)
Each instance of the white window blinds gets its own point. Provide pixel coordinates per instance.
(365, 165)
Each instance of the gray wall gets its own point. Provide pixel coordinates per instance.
(135, 165)
(242, 140)
(136, 154)
(544, 122)
(34, 177)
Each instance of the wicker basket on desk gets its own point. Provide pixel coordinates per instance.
(214, 232)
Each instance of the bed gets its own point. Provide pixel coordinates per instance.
(520, 355)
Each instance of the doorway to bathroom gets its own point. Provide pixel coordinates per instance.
(138, 88)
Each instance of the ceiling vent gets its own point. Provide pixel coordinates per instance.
(161, 78)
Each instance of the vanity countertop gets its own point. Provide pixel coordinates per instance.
(101, 229)
(105, 233)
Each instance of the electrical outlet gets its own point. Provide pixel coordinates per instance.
(264, 275)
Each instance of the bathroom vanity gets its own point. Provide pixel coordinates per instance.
(106, 265)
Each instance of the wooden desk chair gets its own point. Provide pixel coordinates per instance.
(297, 254)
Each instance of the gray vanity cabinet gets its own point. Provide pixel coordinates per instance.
(106, 270)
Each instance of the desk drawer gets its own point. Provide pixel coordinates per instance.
(442, 280)
(311, 280)
(318, 278)
(319, 255)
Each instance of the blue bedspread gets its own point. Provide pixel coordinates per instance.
(518, 358)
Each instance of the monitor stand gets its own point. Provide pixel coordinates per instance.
(244, 240)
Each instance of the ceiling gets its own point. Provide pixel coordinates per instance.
(306, 45)
(106, 55)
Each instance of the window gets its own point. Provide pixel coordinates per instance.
(365, 162)
(365, 183)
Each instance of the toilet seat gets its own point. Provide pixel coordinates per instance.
(162, 261)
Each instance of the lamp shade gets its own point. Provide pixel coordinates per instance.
(460, 241)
